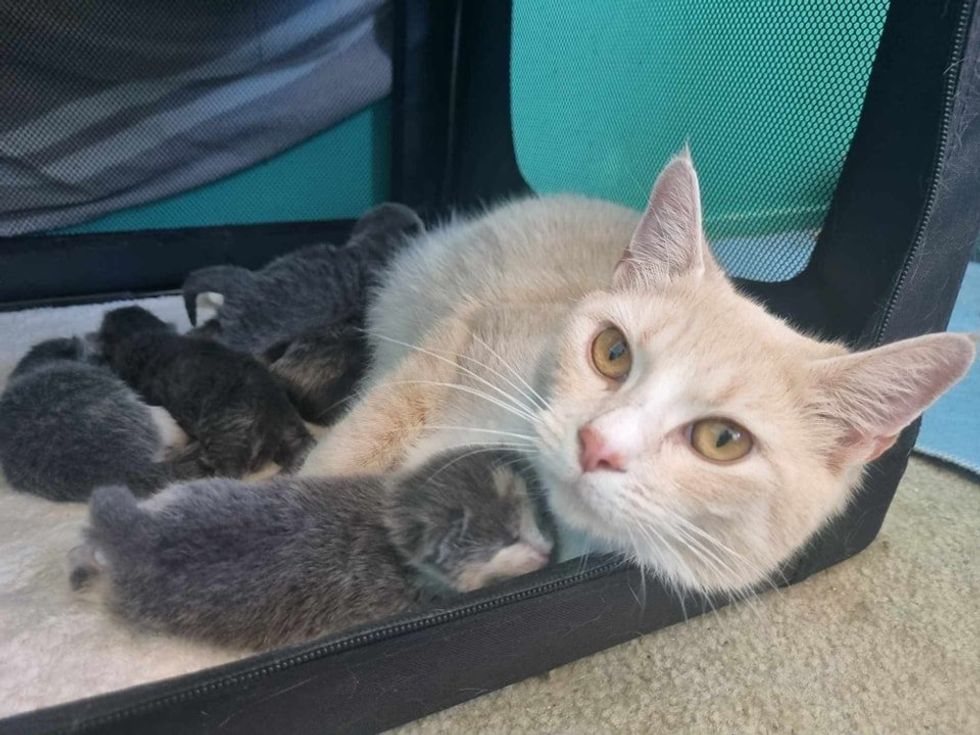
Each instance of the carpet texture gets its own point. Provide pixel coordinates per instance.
(887, 642)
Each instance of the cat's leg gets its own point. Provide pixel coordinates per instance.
(389, 418)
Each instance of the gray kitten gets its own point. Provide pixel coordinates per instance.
(68, 425)
(312, 287)
(257, 566)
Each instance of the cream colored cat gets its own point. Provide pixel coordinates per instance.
(671, 418)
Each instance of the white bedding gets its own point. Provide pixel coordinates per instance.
(55, 645)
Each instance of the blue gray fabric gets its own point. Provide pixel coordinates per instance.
(951, 428)
(107, 104)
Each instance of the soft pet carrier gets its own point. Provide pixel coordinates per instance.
(838, 142)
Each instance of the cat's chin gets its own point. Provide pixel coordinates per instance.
(571, 498)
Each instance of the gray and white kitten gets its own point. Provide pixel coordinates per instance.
(258, 566)
(310, 288)
(68, 425)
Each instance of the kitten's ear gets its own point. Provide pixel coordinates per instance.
(873, 395)
(668, 241)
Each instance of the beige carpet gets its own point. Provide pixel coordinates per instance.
(888, 642)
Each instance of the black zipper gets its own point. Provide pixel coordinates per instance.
(950, 99)
(358, 639)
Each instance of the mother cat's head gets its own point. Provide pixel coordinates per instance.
(703, 435)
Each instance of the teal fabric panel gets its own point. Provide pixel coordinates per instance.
(336, 174)
(766, 92)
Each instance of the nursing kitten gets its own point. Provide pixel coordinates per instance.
(68, 426)
(239, 565)
(235, 412)
(320, 368)
(672, 418)
(307, 289)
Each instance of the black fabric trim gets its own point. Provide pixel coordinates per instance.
(63, 269)
(451, 106)
(420, 101)
(370, 686)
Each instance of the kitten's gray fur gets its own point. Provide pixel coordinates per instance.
(257, 566)
(237, 414)
(68, 425)
(303, 290)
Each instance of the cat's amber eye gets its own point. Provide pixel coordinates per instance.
(611, 355)
(720, 440)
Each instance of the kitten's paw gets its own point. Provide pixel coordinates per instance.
(212, 286)
(208, 304)
(171, 435)
(271, 469)
(85, 563)
(317, 431)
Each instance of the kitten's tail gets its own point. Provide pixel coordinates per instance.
(221, 279)
(115, 518)
(117, 525)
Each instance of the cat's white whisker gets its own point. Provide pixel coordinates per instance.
(439, 427)
(643, 587)
(738, 558)
(657, 541)
(720, 567)
(583, 560)
(431, 353)
(471, 391)
(741, 595)
(534, 394)
(548, 430)
(483, 448)
(660, 537)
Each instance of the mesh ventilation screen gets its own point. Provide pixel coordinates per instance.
(300, 184)
(108, 105)
(766, 92)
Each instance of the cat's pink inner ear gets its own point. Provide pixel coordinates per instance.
(668, 241)
(871, 396)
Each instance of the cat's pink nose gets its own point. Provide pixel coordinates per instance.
(595, 454)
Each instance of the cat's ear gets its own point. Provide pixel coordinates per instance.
(871, 396)
(668, 240)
